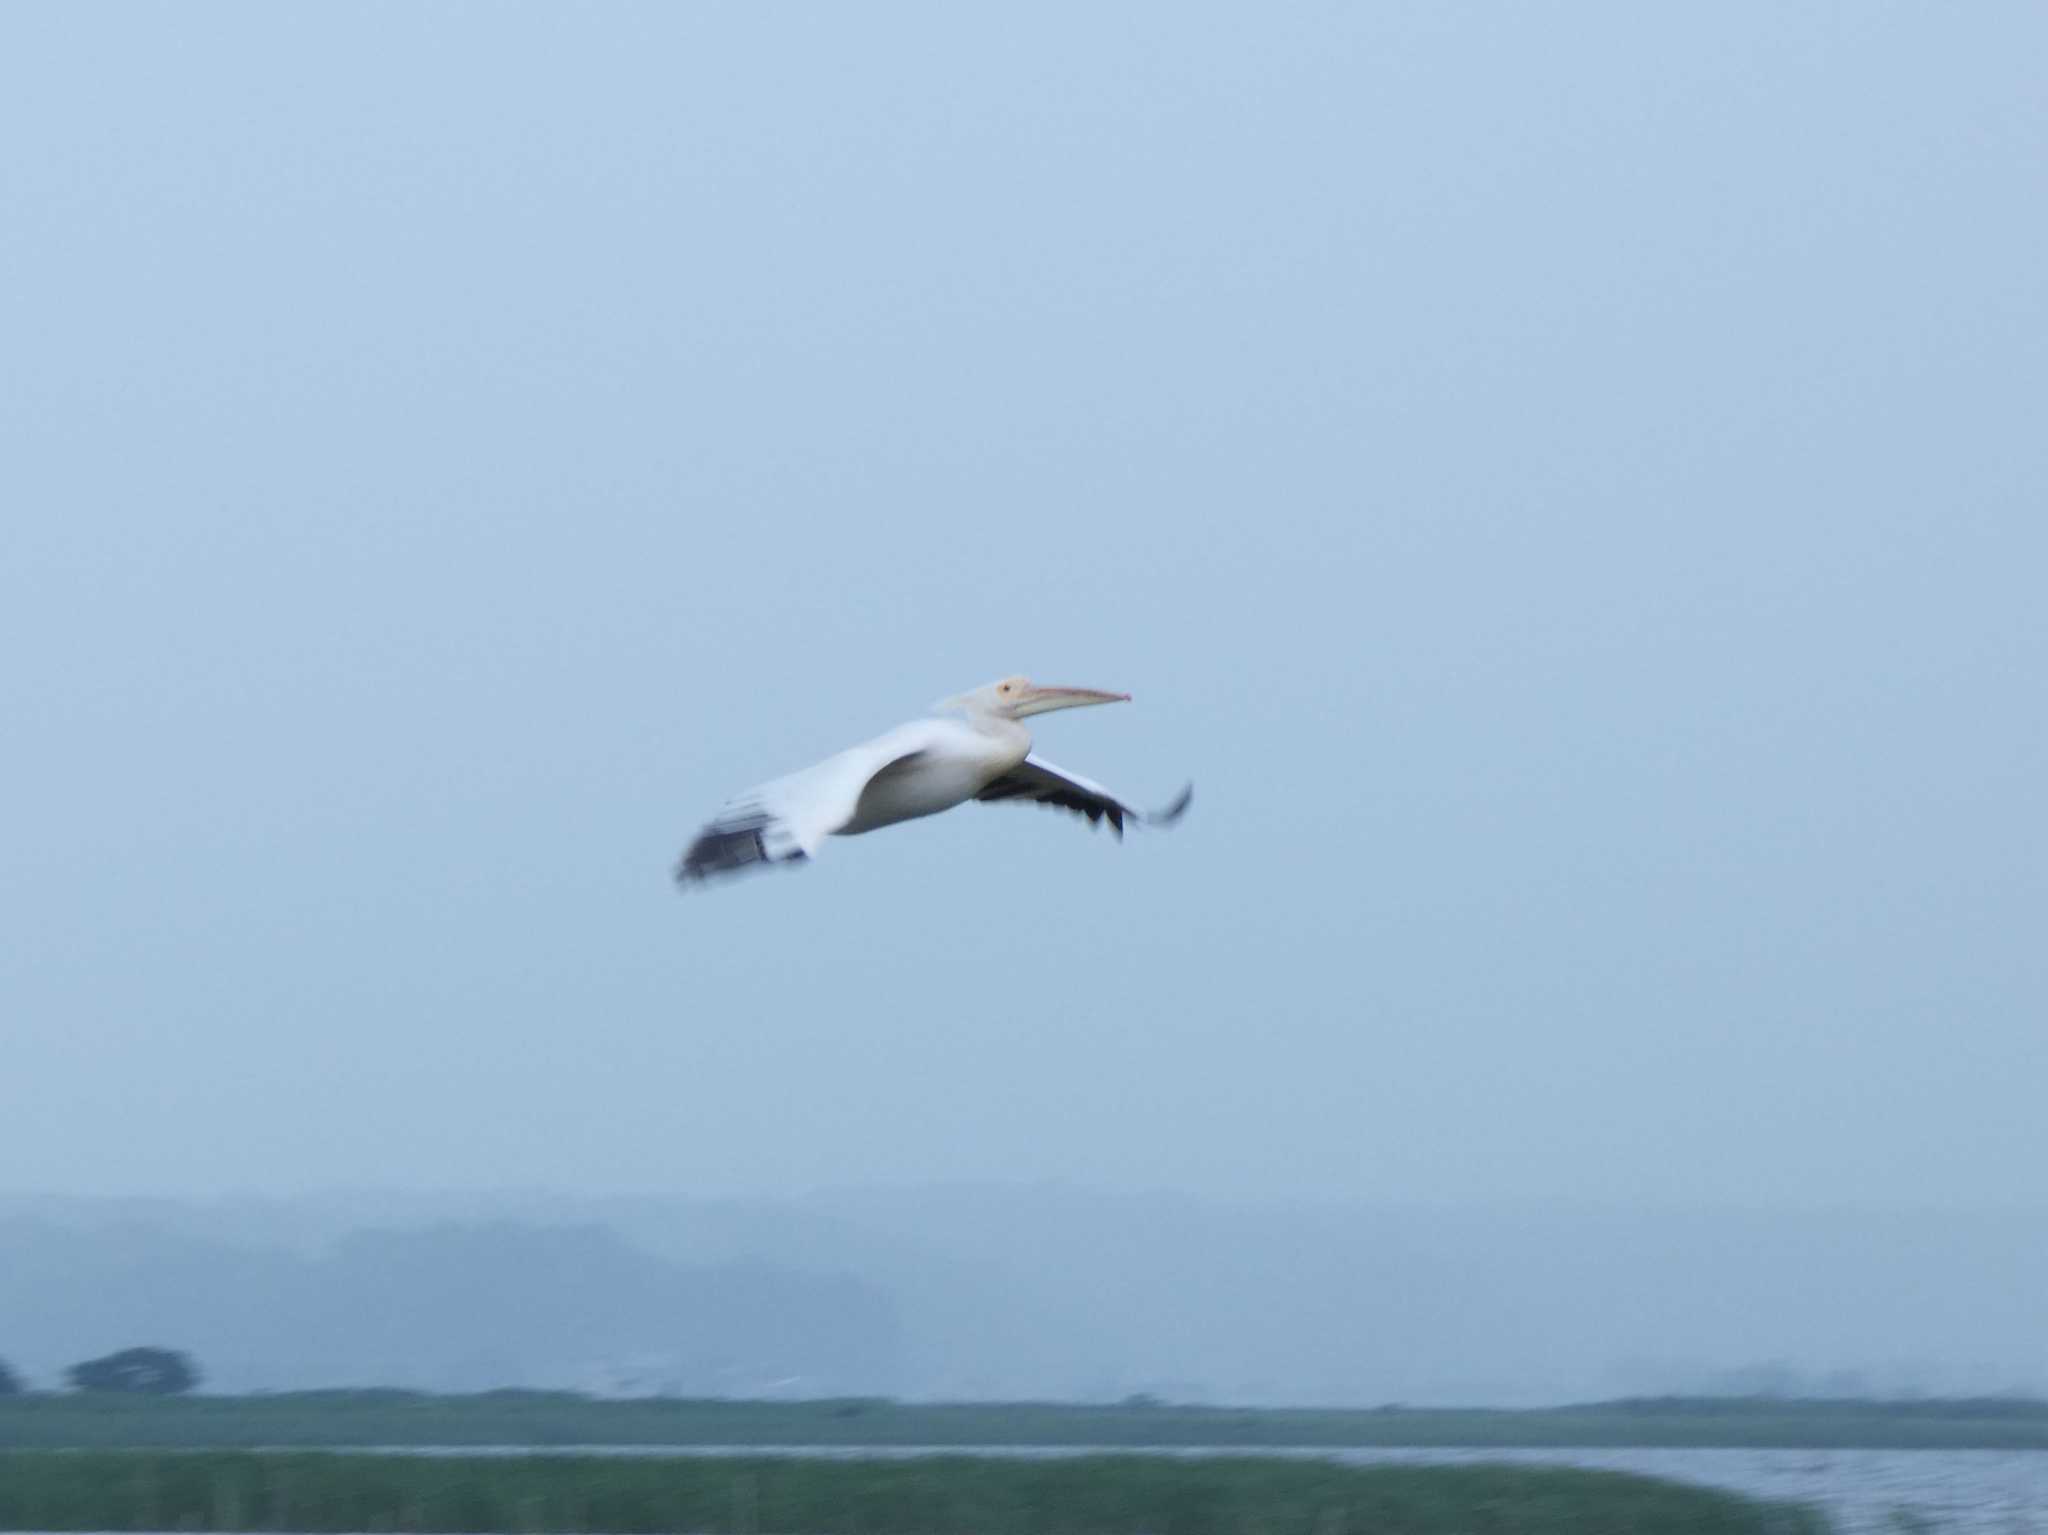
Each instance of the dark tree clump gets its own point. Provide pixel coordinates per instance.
(144, 1371)
(10, 1383)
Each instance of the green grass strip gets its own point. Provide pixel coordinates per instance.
(937, 1495)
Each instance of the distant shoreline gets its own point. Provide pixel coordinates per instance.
(546, 1420)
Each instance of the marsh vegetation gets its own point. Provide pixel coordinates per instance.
(939, 1495)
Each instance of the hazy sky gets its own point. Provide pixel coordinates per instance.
(1568, 483)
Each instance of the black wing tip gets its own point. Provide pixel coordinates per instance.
(1176, 810)
(728, 850)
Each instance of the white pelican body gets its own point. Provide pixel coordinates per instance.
(979, 751)
(954, 762)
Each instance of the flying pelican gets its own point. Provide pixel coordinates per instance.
(971, 748)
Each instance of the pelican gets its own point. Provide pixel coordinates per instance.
(971, 747)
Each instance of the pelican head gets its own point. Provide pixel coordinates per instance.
(1014, 698)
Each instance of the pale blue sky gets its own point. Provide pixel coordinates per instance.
(1567, 482)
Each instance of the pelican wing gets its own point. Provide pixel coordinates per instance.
(786, 819)
(1037, 780)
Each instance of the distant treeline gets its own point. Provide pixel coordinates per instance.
(315, 1419)
(1092, 1495)
(1964, 1408)
(145, 1370)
